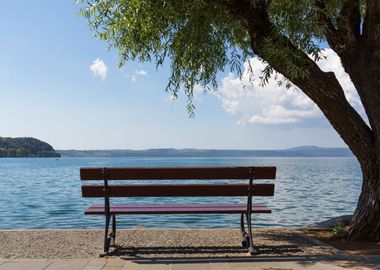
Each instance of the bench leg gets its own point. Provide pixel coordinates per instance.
(251, 249)
(107, 240)
(113, 233)
(243, 233)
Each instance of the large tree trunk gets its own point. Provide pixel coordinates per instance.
(365, 223)
(361, 60)
(324, 89)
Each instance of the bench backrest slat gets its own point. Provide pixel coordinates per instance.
(160, 190)
(171, 173)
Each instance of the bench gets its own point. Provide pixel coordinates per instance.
(107, 190)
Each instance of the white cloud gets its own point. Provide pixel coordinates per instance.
(99, 68)
(170, 98)
(136, 74)
(141, 72)
(274, 104)
(332, 63)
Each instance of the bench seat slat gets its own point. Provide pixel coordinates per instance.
(173, 173)
(133, 209)
(174, 190)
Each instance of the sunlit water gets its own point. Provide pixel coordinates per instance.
(46, 193)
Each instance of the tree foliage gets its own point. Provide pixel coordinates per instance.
(198, 37)
(201, 38)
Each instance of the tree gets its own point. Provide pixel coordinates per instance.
(25, 147)
(22, 152)
(11, 152)
(201, 37)
(3, 152)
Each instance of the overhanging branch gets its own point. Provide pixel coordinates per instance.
(343, 37)
(371, 24)
(322, 87)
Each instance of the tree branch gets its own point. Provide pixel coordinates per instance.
(359, 54)
(343, 37)
(349, 20)
(325, 20)
(371, 24)
(322, 87)
(362, 61)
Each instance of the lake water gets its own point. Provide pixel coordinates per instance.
(46, 193)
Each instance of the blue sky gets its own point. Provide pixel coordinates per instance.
(49, 91)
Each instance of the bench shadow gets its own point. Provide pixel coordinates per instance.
(236, 254)
(196, 254)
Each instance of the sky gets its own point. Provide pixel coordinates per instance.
(61, 85)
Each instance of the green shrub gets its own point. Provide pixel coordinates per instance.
(338, 228)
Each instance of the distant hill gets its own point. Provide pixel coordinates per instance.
(303, 151)
(25, 147)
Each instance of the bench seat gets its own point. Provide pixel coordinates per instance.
(135, 209)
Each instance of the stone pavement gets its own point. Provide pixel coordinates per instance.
(267, 263)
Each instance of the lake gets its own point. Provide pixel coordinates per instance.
(46, 192)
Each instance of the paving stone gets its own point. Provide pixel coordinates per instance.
(24, 265)
(68, 264)
(289, 265)
(93, 267)
(371, 262)
(128, 265)
(114, 262)
(97, 262)
(328, 266)
(220, 266)
(146, 266)
(4, 261)
(112, 268)
(192, 266)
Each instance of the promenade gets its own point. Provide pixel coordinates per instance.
(290, 263)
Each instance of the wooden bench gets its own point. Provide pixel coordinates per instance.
(178, 189)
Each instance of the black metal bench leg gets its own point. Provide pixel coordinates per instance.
(243, 233)
(107, 240)
(251, 249)
(113, 233)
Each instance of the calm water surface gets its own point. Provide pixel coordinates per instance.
(45, 193)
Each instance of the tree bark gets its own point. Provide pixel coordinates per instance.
(324, 89)
(365, 223)
(360, 57)
(366, 220)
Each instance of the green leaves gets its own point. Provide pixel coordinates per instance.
(200, 38)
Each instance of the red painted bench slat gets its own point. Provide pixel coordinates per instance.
(174, 190)
(177, 209)
(172, 173)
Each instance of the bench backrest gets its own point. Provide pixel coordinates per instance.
(177, 189)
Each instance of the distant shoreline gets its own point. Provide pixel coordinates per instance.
(302, 151)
